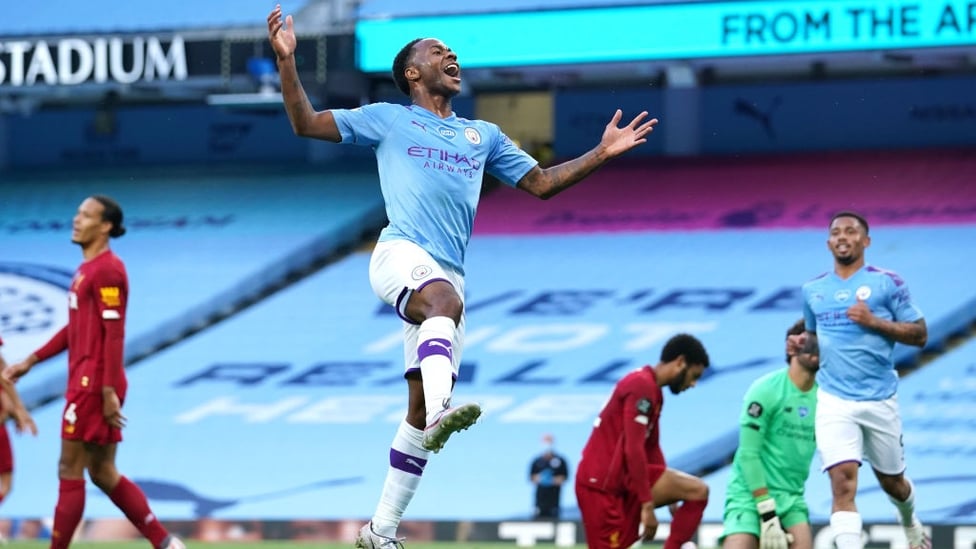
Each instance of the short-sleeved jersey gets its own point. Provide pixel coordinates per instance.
(98, 295)
(856, 363)
(783, 416)
(625, 438)
(431, 171)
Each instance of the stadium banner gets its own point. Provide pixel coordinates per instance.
(521, 533)
(804, 116)
(675, 31)
(112, 60)
(785, 116)
(72, 60)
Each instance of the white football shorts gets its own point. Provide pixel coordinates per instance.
(397, 269)
(852, 430)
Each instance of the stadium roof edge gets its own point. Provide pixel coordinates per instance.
(65, 17)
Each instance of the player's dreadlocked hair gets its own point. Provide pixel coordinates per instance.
(400, 65)
(111, 212)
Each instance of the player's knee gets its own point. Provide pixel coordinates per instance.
(449, 306)
(438, 299)
(103, 475)
(700, 491)
(895, 486)
(70, 469)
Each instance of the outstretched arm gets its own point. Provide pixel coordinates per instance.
(305, 121)
(546, 183)
(57, 343)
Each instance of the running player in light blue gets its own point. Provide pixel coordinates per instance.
(431, 164)
(858, 312)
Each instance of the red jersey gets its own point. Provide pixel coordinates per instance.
(625, 438)
(96, 326)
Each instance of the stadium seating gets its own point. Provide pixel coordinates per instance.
(199, 245)
(307, 381)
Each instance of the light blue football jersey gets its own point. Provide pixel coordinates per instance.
(856, 363)
(431, 171)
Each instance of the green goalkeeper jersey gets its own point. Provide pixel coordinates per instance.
(776, 438)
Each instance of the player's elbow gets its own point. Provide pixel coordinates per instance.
(546, 195)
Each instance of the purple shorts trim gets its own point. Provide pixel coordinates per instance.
(401, 301)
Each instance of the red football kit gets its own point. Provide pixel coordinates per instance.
(621, 462)
(94, 339)
(6, 452)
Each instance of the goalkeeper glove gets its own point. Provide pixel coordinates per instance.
(771, 533)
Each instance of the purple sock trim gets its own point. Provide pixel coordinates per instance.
(435, 346)
(407, 463)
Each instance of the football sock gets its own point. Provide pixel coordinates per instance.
(685, 523)
(407, 461)
(847, 529)
(68, 511)
(130, 499)
(435, 350)
(906, 509)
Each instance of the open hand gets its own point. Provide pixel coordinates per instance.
(281, 34)
(24, 422)
(618, 140)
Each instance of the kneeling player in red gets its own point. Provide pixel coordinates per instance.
(622, 476)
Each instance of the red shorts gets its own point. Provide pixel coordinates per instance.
(83, 420)
(612, 520)
(6, 454)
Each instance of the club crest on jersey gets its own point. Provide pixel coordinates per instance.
(472, 136)
(447, 132)
(644, 406)
(842, 295)
(420, 272)
(110, 296)
(755, 409)
(863, 292)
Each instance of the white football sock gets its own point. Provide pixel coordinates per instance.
(906, 509)
(407, 461)
(435, 348)
(847, 529)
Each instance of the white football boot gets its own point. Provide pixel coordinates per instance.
(368, 539)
